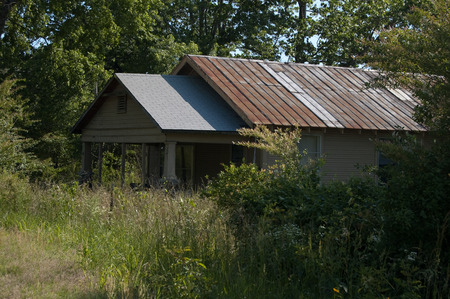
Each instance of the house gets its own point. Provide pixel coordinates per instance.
(186, 122)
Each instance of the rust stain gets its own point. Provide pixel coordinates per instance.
(286, 94)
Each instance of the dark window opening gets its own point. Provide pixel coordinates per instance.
(237, 154)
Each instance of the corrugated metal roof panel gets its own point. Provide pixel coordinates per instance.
(283, 94)
(181, 103)
(251, 106)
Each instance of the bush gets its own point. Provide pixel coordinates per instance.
(416, 207)
(275, 192)
(359, 238)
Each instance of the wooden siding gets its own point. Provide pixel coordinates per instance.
(344, 151)
(134, 126)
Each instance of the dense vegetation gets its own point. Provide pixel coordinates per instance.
(274, 233)
(252, 232)
(63, 52)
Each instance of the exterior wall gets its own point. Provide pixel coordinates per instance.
(133, 126)
(343, 152)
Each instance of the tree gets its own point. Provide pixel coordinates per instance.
(332, 31)
(65, 50)
(5, 8)
(14, 148)
(245, 28)
(417, 58)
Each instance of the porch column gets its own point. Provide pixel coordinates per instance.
(86, 162)
(169, 160)
(122, 168)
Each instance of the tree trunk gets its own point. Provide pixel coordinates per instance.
(5, 8)
(302, 9)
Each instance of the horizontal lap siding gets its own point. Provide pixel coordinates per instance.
(133, 126)
(344, 151)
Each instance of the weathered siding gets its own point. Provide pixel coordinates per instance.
(108, 125)
(344, 151)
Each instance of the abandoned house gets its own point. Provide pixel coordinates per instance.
(186, 122)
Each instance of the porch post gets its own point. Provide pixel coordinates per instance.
(100, 162)
(122, 168)
(86, 162)
(169, 160)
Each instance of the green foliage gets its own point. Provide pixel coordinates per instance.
(354, 238)
(15, 153)
(176, 245)
(248, 28)
(241, 190)
(66, 51)
(277, 190)
(416, 57)
(332, 32)
(417, 184)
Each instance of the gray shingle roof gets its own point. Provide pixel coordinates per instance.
(181, 103)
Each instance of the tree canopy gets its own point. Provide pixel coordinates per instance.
(64, 51)
(417, 57)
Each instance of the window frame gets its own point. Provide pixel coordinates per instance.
(317, 154)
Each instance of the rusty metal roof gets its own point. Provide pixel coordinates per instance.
(310, 96)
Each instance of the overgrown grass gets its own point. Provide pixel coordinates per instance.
(162, 243)
(156, 243)
(31, 267)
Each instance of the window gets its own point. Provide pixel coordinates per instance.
(122, 104)
(382, 159)
(237, 154)
(310, 143)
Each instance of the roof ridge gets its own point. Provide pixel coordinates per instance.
(222, 57)
(154, 75)
(281, 62)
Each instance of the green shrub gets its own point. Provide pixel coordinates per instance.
(276, 192)
(357, 238)
(416, 209)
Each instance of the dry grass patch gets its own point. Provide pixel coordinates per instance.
(30, 267)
